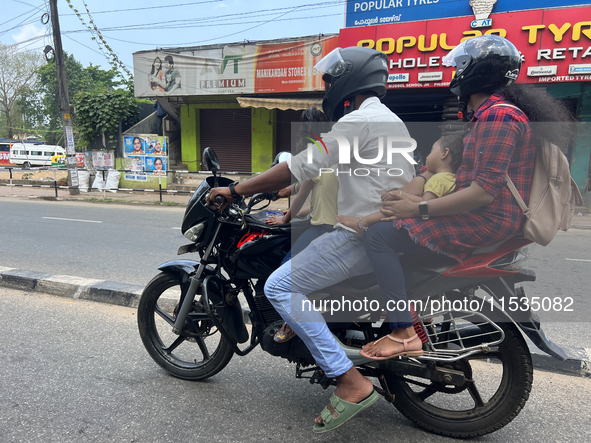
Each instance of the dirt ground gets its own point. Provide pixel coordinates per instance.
(47, 174)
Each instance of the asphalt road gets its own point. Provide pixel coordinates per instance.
(76, 371)
(122, 243)
(126, 243)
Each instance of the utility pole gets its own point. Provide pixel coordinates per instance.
(65, 110)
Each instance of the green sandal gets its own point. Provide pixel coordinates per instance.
(345, 410)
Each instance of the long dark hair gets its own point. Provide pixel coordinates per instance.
(552, 120)
(154, 67)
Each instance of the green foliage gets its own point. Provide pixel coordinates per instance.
(17, 74)
(41, 105)
(99, 111)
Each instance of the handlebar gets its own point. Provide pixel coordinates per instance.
(219, 200)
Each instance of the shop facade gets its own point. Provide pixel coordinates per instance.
(554, 38)
(238, 99)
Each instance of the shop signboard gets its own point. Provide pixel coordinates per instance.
(555, 45)
(243, 69)
(381, 12)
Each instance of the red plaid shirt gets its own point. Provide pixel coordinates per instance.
(500, 142)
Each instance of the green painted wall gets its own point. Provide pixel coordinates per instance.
(190, 137)
(262, 141)
(263, 138)
(152, 182)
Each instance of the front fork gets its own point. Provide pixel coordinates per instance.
(194, 286)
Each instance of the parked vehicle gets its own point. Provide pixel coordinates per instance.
(29, 155)
(476, 372)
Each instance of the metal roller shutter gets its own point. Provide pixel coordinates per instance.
(228, 133)
(283, 138)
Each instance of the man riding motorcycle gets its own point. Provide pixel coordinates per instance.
(355, 79)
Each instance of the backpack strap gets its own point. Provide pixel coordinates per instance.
(526, 211)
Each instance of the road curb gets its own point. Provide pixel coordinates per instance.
(104, 291)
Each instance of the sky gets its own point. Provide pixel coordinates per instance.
(133, 25)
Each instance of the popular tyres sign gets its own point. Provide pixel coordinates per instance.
(379, 12)
(555, 45)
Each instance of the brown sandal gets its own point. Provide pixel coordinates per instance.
(405, 351)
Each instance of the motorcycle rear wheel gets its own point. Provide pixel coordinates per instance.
(478, 409)
(187, 357)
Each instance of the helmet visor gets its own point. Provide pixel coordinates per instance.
(458, 58)
(332, 64)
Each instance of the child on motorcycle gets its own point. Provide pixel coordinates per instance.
(443, 161)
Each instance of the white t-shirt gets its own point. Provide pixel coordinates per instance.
(362, 181)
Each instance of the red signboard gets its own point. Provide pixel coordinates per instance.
(289, 67)
(5, 158)
(555, 44)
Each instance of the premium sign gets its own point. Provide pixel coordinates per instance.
(555, 45)
(264, 68)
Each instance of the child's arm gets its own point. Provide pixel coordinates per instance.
(414, 187)
(297, 203)
(372, 219)
(416, 198)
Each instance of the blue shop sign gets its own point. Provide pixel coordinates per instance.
(381, 12)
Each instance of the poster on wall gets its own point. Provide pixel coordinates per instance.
(103, 161)
(145, 155)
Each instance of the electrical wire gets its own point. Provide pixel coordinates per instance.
(153, 7)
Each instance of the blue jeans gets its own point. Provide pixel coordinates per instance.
(310, 234)
(329, 259)
(383, 242)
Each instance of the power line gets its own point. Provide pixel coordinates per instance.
(160, 44)
(20, 15)
(153, 7)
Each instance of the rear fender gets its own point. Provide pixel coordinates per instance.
(522, 315)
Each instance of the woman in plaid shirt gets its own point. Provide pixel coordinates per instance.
(481, 211)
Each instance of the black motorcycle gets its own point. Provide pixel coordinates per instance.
(476, 372)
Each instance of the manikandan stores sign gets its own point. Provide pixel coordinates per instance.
(555, 45)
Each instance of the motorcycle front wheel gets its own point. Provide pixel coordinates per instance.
(199, 352)
(497, 386)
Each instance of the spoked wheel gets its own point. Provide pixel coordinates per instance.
(497, 386)
(199, 352)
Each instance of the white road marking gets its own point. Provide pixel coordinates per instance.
(72, 219)
(577, 259)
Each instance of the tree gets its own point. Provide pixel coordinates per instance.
(79, 79)
(18, 71)
(98, 112)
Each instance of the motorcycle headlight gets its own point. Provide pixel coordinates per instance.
(193, 234)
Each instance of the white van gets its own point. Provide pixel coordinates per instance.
(28, 155)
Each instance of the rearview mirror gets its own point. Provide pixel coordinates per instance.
(210, 160)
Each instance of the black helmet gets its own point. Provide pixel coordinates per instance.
(311, 115)
(348, 72)
(483, 64)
